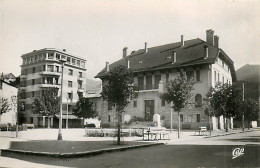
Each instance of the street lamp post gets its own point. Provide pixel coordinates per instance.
(60, 119)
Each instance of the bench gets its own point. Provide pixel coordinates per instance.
(202, 131)
(157, 133)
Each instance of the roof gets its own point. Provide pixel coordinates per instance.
(161, 57)
(53, 50)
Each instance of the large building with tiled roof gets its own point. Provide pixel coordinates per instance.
(202, 60)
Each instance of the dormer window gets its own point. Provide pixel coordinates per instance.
(206, 52)
(174, 57)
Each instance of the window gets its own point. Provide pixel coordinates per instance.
(157, 81)
(109, 107)
(63, 57)
(198, 100)
(134, 103)
(80, 85)
(50, 56)
(167, 78)
(80, 94)
(56, 81)
(188, 118)
(57, 69)
(162, 102)
(197, 75)
(49, 80)
(32, 93)
(33, 81)
(78, 62)
(43, 68)
(69, 83)
(181, 117)
(198, 117)
(50, 68)
(141, 83)
(80, 74)
(83, 64)
(149, 84)
(43, 56)
(33, 70)
(43, 80)
(109, 118)
(73, 61)
(31, 120)
(68, 59)
(22, 106)
(70, 96)
(190, 75)
(223, 79)
(215, 76)
(69, 107)
(70, 72)
(57, 56)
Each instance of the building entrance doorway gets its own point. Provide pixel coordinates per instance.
(149, 109)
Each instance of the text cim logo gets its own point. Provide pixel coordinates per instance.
(236, 152)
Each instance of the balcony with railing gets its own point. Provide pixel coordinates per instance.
(146, 88)
(49, 84)
(51, 72)
(80, 90)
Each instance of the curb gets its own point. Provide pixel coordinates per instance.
(229, 133)
(5, 152)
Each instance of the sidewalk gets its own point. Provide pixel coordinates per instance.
(78, 135)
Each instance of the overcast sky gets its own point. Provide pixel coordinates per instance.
(99, 30)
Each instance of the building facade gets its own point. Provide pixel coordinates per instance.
(40, 70)
(8, 92)
(201, 60)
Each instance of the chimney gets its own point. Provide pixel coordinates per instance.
(210, 37)
(124, 52)
(128, 63)
(206, 52)
(145, 47)
(107, 66)
(216, 40)
(182, 41)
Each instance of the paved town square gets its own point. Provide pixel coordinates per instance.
(193, 151)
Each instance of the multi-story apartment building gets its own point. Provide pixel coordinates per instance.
(201, 60)
(42, 69)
